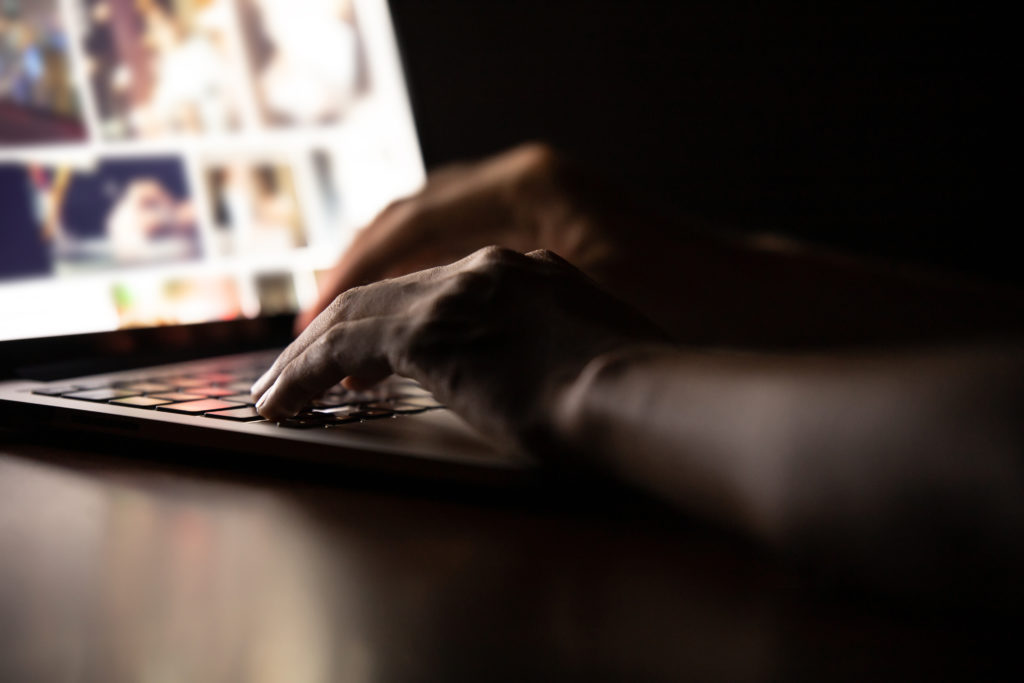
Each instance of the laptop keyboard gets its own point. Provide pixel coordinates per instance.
(223, 394)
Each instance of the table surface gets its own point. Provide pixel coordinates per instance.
(114, 568)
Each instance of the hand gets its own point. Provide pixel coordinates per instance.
(525, 199)
(498, 337)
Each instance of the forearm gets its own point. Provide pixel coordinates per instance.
(876, 462)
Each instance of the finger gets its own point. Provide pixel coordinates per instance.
(550, 257)
(355, 303)
(378, 299)
(365, 382)
(308, 336)
(347, 349)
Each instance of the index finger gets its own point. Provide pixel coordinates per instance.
(293, 350)
(345, 349)
(359, 302)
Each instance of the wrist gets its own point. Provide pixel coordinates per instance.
(582, 407)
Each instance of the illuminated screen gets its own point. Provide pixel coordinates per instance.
(167, 162)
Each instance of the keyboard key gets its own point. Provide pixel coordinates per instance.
(337, 420)
(210, 391)
(88, 386)
(177, 396)
(240, 387)
(360, 411)
(304, 422)
(186, 382)
(337, 410)
(54, 391)
(145, 387)
(336, 398)
(310, 420)
(205, 405)
(241, 398)
(334, 401)
(245, 414)
(101, 395)
(217, 377)
(374, 413)
(140, 401)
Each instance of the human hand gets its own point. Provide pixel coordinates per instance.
(498, 337)
(527, 198)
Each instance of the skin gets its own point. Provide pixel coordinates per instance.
(749, 292)
(445, 326)
(902, 469)
(860, 417)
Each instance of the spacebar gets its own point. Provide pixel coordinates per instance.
(243, 414)
(198, 407)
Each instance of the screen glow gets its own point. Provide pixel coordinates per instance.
(177, 161)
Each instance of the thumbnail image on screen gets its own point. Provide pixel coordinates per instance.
(307, 66)
(167, 162)
(38, 102)
(176, 301)
(276, 292)
(79, 218)
(163, 67)
(255, 208)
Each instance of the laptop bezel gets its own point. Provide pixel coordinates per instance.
(53, 358)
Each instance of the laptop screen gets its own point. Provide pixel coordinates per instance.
(169, 162)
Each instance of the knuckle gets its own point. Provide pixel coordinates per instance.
(539, 156)
(458, 300)
(345, 302)
(543, 165)
(329, 341)
(393, 208)
(494, 255)
(549, 257)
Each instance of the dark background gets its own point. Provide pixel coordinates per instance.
(870, 128)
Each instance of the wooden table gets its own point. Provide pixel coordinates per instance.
(117, 569)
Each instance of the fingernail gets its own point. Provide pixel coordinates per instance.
(260, 404)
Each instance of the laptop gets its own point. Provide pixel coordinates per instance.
(175, 177)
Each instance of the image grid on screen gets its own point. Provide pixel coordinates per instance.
(178, 161)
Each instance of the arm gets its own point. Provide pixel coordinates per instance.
(905, 469)
(699, 286)
(879, 463)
